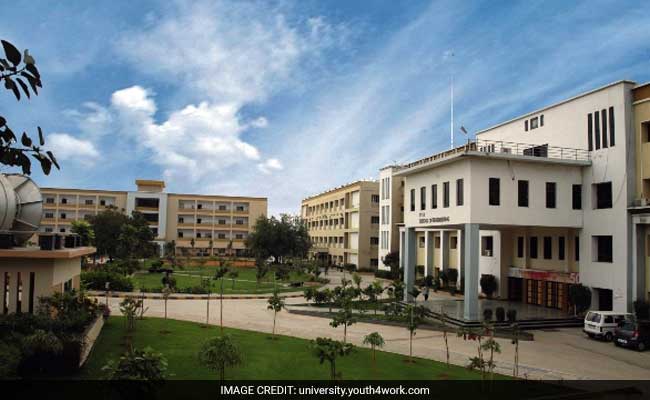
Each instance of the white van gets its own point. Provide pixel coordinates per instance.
(601, 324)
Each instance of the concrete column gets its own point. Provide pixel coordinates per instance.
(461, 258)
(409, 261)
(471, 244)
(428, 251)
(638, 262)
(401, 249)
(444, 250)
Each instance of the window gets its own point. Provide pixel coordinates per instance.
(239, 236)
(522, 196)
(48, 229)
(603, 193)
(604, 250)
(560, 248)
(597, 129)
(62, 230)
(590, 128)
(199, 206)
(534, 123)
(102, 202)
(612, 136)
(459, 192)
(487, 243)
(241, 222)
(222, 208)
(423, 198)
(541, 120)
(49, 200)
(576, 197)
(520, 247)
(436, 242)
(49, 215)
(63, 216)
(374, 219)
(180, 234)
(603, 117)
(445, 194)
(198, 220)
(526, 125)
(494, 192)
(64, 201)
(181, 220)
(421, 242)
(533, 247)
(88, 202)
(550, 194)
(577, 248)
(548, 247)
(375, 198)
(453, 242)
(240, 208)
(412, 199)
(645, 133)
(374, 240)
(434, 196)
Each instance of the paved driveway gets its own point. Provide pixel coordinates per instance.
(558, 354)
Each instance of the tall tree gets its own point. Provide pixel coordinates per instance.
(107, 226)
(18, 72)
(279, 238)
(85, 231)
(136, 238)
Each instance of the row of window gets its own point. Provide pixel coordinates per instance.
(534, 123)
(598, 124)
(238, 221)
(602, 195)
(183, 204)
(200, 235)
(385, 188)
(460, 195)
(88, 202)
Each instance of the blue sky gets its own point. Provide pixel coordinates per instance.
(285, 99)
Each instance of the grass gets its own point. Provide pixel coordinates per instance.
(284, 358)
(245, 283)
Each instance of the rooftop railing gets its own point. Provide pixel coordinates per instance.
(508, 148)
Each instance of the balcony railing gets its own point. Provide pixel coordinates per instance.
(508, 148)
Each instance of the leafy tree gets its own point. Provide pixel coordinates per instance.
(107, 226)
(374, 340)
(276, 303)
(356, 278)
(488, 284)
(135, 239)
(129, 308)
(145, 365)
(261, 269)
(85, 231)
(392, 260)
(284, 237)
(220, 353)
(324, 296)
(18, 71)
(372, 292)
(328, 350)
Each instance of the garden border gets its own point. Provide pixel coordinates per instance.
(184, 296)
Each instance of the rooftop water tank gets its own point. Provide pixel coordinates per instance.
(21, 207)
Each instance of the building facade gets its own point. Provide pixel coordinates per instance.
(214, 224)
(344, 224)
(543, 201)
(391, 212)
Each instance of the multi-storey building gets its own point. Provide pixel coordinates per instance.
(391, 212)
(344, 224)
(212, 223)
(546, 200)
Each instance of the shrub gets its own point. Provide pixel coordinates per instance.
(383, 274)
(488, 284)
(96, 280)
(487, 314)
(642, 309)
(144, 365)
(452, 275)
(500, 314)
(579, 297)
(512, 315)
(349, 267)
(10, 358)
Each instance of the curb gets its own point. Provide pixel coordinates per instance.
(213, 296)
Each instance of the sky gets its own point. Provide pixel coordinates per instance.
(286, 99)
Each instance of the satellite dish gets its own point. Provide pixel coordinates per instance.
(21, 207)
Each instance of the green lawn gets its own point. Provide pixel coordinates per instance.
(245, 283)
(285, 358)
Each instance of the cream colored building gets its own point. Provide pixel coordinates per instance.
(552, 198)
(344, 224)
(215, 223)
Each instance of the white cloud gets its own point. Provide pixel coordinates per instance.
(93, 119)
(270, 165)
(260, 122)
(67, 147)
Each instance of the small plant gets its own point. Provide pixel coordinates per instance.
(276, 303)
(488, 285)
(145, 365)
(511, 315)
(344, 317)
(500, 314)
(487, 314)
(220, 353)
(374, 340)
(129, 308)
(327, 349)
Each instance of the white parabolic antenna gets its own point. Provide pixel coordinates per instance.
(21, 207)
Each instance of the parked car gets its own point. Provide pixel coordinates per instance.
(601, 324)
(634, 334)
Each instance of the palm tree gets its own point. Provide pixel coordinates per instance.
(374, 340)
(220, 353)
(327, 349)
(276, 303)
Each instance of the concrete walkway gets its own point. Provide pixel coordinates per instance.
(558, 354)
